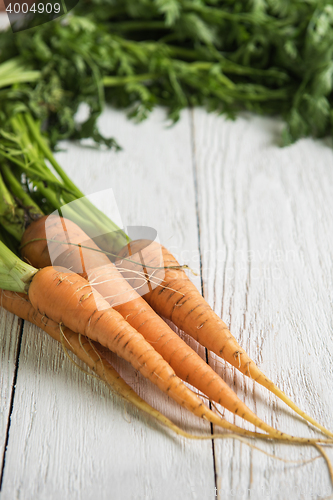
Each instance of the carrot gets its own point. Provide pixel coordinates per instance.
(171, 294)
(70, 300)
(62, 234)
(86, 351)
(87, 260)
(91, 354)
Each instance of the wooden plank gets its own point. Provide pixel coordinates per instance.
(10, 327)
(266, 237)
(70, 438)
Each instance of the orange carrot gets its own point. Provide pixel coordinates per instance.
(70, 300)
(172, 295)
(175, 298)
(91, 354)
(108, 281)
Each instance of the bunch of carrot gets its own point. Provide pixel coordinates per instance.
(93, 291)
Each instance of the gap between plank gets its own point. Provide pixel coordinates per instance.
(11, 404)
(195, 181)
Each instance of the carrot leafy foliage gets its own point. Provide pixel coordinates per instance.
(270, 57)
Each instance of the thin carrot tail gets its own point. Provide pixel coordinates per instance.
(251, 370)
(248, 367)
(281, 395)
(177, 299)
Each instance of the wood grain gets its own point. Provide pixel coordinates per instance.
(10, 327)
(266, 243)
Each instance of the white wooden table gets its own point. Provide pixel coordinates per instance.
(257, 220)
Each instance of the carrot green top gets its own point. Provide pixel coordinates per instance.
(16, 71)
(32, 163)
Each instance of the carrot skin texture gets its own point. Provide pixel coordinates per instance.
(70, 300)
(20, 305)
(178, 300)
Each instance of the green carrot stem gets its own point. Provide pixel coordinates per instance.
(15, 275)
(64, 6)
(8, 240)
(114, 81)
(27, 76)
(14, 71)
(14, 218)
(35, 132)
(9, 215)
(88, 213)
(32, 162)
(57, 203)
(89, 218)
(35, 170)
(137, 26)
(17, 190)
(218, 14)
